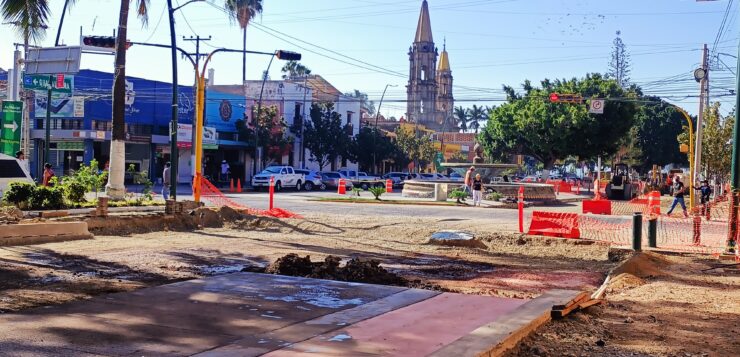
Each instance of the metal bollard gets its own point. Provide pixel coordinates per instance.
(637, 231)
(653, 233)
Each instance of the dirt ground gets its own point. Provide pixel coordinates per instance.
(671, 306)
(512, 266)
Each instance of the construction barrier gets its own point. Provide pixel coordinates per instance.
(564, 225)
(597, 206)
(388, 186)
(215, 197)
(341, 187)
(272, 192)
(520, 201)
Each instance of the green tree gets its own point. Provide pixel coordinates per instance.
(325, 136)
(477, 115)
(28, 17)
(294, 69)
(658, 125)
(368, 142)
(716, 147)
(417, 148)
(462, 117)
(619, 65)
(365, 102)
(270, 133)
(530, 124)
(115, 187)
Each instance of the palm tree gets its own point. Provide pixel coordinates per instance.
(477, 115)
(115, 187)
(243, 11)
(462, 116)
(61, 19)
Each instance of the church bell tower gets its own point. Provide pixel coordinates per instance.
(422, 87)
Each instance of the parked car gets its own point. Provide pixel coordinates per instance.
(312, 179)
(432, 176)
(365, 176)
(397, 177)
(285, 176)
(331, 179)
(11, 170)
(456, 177)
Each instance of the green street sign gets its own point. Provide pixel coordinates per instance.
(41, 82)
(10, 132)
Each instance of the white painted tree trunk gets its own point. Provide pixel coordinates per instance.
(545, 174)
(115, 188)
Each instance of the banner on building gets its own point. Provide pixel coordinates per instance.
(185, 137)
(62, 103)
(10, 138)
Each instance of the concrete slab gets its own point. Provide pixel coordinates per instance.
(247, 314)
(415, 330)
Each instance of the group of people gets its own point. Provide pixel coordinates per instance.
(474, 185)
(678, 191)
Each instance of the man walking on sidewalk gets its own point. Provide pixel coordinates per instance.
(166, 181)
(678, 190)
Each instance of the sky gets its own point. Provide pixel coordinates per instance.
(363, 44)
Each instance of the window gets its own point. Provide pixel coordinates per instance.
(349, 117)
(423, 73)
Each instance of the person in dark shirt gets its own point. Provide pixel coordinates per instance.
(678, 190)
(705, 190)
(477, 190)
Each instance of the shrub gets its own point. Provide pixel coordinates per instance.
(356, 191)
(458, 194)
(47, 198)
(74, 190)
(377, 192)
(142, 178)
(19, 193)
(495, 196)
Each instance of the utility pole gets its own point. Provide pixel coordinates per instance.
(197, 55)
(702, 75)
(732, 237)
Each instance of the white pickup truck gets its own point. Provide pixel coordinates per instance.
(285, 176)
(362, 179)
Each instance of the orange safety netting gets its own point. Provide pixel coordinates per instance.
(215, 197)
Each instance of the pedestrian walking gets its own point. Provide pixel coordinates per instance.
(225, 170)
(166, 181)
(477, 190)
(469, 180)
(678, 190)
(48, 175)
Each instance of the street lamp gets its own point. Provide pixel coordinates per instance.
(375, 134)
(281, 55)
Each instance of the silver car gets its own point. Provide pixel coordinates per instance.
(331, 179)
(313, 180)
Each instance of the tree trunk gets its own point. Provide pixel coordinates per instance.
(547, 165)
(115, 187)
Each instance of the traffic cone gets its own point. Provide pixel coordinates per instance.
(388, 186)
(231, 186)
(341, 189)
(239, 185)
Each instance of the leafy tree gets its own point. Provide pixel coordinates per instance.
(325, 136)
(28, 17)
(294, 69)
(658, 126)
(366, 103)
(368, 142)
(115, 187)
(270, 132)
(530, 124)
(716, 147)
(619, 66)
(243, 11)
(417, 148)
(462, 117)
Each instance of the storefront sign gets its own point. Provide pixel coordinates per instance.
(79, 107)
(71, 146)
(185, 135)
(10, 139)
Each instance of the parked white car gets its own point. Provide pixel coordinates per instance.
(312, 179)
(285, 176)
(11, 170)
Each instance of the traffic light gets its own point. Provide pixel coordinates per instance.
(100, 43)
(288, 55)
(565, 98)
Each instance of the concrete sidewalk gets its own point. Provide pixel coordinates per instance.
(247, 314)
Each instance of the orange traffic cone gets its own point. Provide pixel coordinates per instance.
(239, 185)
(388, 186)
(341, 188)
(231, 186)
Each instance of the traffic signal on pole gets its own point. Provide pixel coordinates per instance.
(565, 98)
(288, 55)
(101, 43)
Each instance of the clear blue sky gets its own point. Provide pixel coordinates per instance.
(490, 42)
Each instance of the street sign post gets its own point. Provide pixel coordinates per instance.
(10, 139)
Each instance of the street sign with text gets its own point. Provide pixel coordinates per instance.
(10, 139)
(596, 106)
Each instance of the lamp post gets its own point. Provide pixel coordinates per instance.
(375, 134)
(281, 55)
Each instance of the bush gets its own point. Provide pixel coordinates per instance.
(47, 198)
(377, 192)
(19, 193)
(74, 190)
(356, 191)
(495, 196)
(458, 194)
